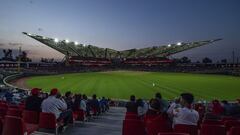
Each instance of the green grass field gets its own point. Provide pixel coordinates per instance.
(121, 84)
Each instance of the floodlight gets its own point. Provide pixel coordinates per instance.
(67, 41)
(84, 45)
(169, 45)
(76, 43)
(56, 40)
(44, 37)
(29, 34)
(179, 43)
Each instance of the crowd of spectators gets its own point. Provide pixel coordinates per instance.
(64, 106)
(182, 110)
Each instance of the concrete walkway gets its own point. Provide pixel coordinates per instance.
(109, 123)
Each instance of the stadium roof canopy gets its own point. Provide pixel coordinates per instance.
(69, 48)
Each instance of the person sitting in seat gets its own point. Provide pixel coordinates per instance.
(95, 105)
(33, 102)
(55, 104)
(68, 99)
(132, 105)
(154, 107)
(186, 115)
(164, 103)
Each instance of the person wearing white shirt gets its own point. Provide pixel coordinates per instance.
(56, 105)
(186, 115)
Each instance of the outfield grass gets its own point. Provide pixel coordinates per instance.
(121, 84)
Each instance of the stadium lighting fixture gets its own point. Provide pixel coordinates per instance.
(169, 45)
(76, 43)
(179, 43)
(67, 41)
(56, 40)
(84, 45)
(29, 34)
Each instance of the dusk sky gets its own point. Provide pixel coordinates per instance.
(122, 24)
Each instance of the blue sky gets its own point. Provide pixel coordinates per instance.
(122, 24)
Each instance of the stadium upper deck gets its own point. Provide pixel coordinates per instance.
(73, 49)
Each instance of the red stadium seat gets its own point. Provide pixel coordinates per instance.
(160, 124)
(189, 129)
(227, 118)
(234, 131)
(79, 115)
(48, 121)
(14, 112)
(212, 130)
(172, 134)
(3, 111)
(213, 122)
(16, 126)
(131, 116)
(133, 127)
(231, 123)
(1, 125)
(31, 117)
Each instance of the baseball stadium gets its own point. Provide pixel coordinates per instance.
(137, 67)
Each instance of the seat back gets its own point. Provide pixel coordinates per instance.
(13, 126)
(190, 129)
(213, 122)
(227, 118)
(3, 111)
(14, 112)
(131, 116)
(31, 117)
(212, 130)
(172, 134)
(231, 123)
(133, 127)
(79, 115)
(47, 121)
(160, 124)
(234, 131)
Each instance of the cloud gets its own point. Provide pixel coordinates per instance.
(15, 44)
(2, 44)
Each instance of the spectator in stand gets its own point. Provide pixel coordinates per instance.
(140, 107)
(235, 109)
(79, 103)
(68, 99)
(174, 105)
(227, 108)
(132, 105)
(217, 108)
(33, 102)
(94, 103)
(186, 115)
(88, 107)
(164, 103)
(154, 107)
(104, 104)
(55, 104)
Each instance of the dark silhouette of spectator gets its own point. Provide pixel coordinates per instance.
(33, 102)
(164, 103)
(94, 103)
(154, 107)
(132, 105)
(217, 109)
(68, 99)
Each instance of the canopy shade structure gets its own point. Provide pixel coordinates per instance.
(69, 48)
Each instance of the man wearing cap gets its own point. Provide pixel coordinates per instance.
(55, 104)
(33, 102)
